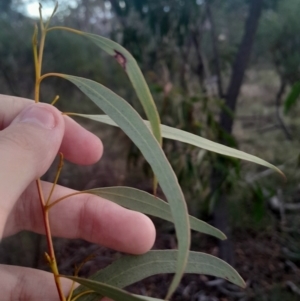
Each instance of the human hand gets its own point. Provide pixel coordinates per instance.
(30, 137)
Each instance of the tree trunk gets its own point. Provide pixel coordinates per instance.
(221, 219)
(215, 49)
(240, 63)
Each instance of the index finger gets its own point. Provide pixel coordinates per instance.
(85, 216)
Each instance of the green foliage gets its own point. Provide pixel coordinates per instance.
(140, 267)
(185, 137)
(292, 97)
(259, 204)
(15, 55)
(280, 28)
(130, 269)
(130, 66)
(144, 202)
(107, 290)
(132, 124)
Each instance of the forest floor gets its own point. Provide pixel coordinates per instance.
(259, 258)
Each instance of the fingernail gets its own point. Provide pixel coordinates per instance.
(38, 115)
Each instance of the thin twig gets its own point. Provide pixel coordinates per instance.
(52, 260)
(60, 166)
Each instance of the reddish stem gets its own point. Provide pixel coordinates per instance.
(52, 262)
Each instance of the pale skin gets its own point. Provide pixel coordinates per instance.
(31, 135)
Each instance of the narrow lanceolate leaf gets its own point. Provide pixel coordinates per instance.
(130, 269)
(144, 202)
(129, 64)
(106, 290)
(132, 124)
(179, 135)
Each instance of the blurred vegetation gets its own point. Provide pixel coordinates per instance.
(187, 51)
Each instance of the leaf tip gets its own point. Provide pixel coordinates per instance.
(244, 284)
(283, 176)
(169, 293)
(223, 236)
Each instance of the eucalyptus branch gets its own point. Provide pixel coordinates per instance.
(38, 60)
(147, 136)
(60, 166)
(65, 197)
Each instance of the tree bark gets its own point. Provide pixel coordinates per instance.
(221, 217)
(215, 49)
(240, 63)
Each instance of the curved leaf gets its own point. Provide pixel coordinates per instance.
(186, 137)
(106, 290)
(132, 124)
(144, 202)
(129, 64)
(159, 262)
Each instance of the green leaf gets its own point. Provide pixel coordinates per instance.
(106, 290)
(132, 124)
(144, 202)
(130, 269)
(292, 97)
(179, 135)
(129, 64)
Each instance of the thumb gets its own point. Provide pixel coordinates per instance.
(27, 148)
